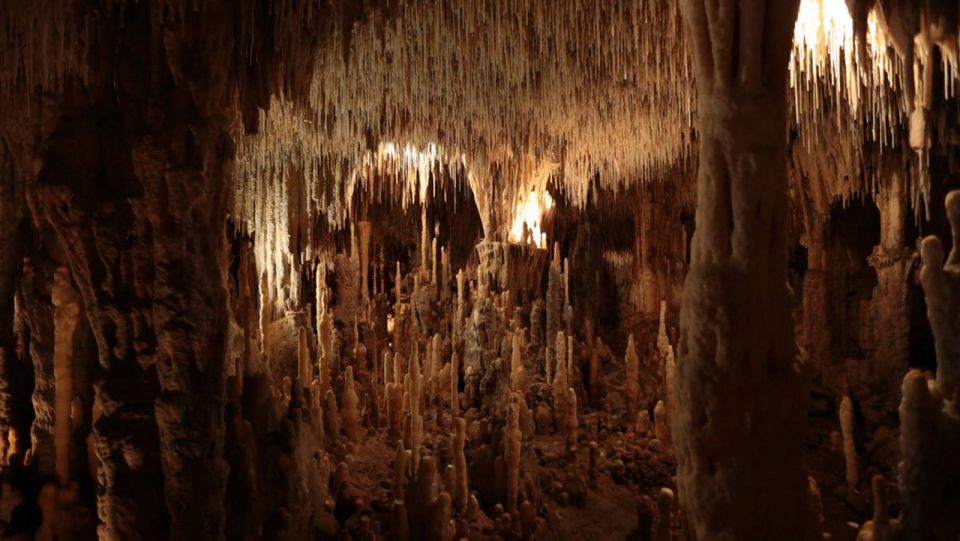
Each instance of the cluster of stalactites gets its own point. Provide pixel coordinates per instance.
(852, 92)
(477, 89)
(492, 82)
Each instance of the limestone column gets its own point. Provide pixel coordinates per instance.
(66, 318)
(817, 335)
(893, 261)
(11, 261)
(738, 426)
(38, 317)
(135, 182)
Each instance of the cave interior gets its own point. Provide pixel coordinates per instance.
(443, 270)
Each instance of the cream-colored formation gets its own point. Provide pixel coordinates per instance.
(930, 423)
(66, 316)
(632, 385)
(739, 417)
(849, 444)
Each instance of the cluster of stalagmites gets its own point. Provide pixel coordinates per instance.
(477, 416)
(469, 415)
(928, 473)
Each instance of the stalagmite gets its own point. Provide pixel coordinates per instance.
(849, 443)
(663, 528)
(460, 465)
(436, 364)
(643, 424)
(941, 286)
(438, 520)
(444, 274)
(631, 389)
(331, 417)
(880, 527)
(350, 415)
(365, 229)
(595, 383)
(399, 524)
(424, 243)
(512, 442)
(398, 284)
(528, 521)
(518, 373)
(454, 386)
(561, 377)
(669, 375)
(304, 369)
(554, 310)
(416, 415)
(434, 262)
(325, 348)
(394, 398)
(401, 460)
(661, 427)
(571, 421)
(928, 416)
(65, 318)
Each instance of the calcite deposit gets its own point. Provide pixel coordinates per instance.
(450, 270)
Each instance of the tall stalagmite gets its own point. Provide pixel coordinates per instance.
(738, 423)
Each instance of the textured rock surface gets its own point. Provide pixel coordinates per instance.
(738, 423)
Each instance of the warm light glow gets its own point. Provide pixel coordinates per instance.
(410, 162)
(530, 211)
(824, 30)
